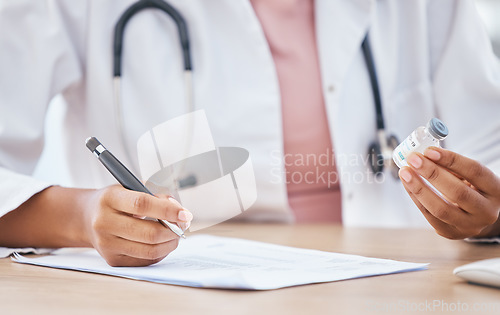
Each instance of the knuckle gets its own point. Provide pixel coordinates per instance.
(452, 161)
(434, 174)
(462, 194)
(442, 213)
(140, 204)
(418, 191)
(476, 170)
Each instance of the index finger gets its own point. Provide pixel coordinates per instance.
(474, 172)
(142, 204)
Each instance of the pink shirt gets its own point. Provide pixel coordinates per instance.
(290, 31)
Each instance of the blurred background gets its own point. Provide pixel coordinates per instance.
(489, 10)
(53, 168)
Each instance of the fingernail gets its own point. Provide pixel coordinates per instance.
(405, 175)
(432, 154)
(415, 161)
(185, 215)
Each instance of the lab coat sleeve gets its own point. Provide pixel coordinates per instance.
(39, 58)
(466, 80)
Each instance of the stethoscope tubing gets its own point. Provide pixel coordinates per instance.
(119, 33)
(382, 139)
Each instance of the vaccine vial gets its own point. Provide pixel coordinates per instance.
(419, 140)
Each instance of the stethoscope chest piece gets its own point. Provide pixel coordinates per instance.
(381, 156)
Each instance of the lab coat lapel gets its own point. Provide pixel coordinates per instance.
(341, 27)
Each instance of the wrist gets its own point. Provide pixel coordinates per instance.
(70, 207)
(80, 223)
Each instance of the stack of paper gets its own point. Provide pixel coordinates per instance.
(229, 263)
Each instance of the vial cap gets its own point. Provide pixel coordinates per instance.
(437, 129)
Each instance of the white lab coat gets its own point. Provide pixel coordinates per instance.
(433, 59)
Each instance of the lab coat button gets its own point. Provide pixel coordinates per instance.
(331, 88)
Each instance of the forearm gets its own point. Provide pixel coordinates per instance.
(54, 218)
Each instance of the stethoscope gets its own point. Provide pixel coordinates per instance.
(379, 151)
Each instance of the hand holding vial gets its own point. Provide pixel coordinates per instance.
(419, 140)
(469, 201)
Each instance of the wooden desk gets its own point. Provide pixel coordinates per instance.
(31, 289)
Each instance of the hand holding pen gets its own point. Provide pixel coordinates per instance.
(119, 233)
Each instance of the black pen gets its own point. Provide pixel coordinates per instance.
(124, 176)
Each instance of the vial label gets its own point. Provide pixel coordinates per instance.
(403, 149)
(419, 140)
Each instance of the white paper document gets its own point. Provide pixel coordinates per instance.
(7, 251)
(230, 263)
